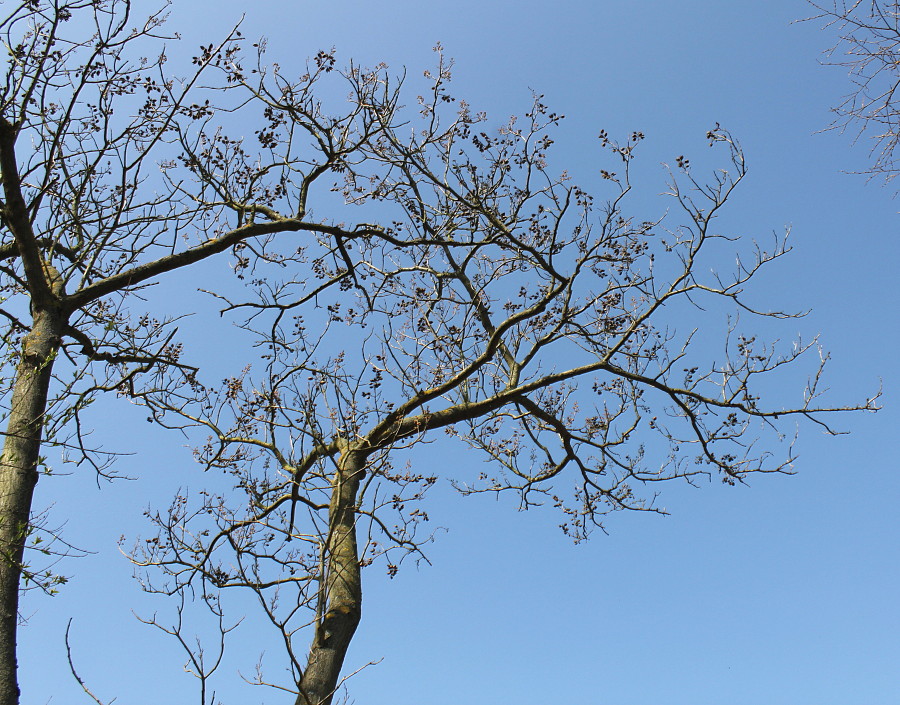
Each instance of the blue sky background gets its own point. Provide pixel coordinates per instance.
(780, 592)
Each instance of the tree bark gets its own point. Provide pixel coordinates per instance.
(18, 476)
(343, 588)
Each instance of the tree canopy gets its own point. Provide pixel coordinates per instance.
(477, 292)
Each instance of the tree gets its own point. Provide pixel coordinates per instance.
(116, 173)
(868, 46)
(497, 303)
(514, 313)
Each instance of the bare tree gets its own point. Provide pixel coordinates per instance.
(116, 172)
(497, 303)
(510, 311)
(868, 46)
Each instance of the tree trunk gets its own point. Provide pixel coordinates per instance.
(18, 476)
(343, 589)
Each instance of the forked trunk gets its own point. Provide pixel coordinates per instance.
(343, 590)
(18, 476)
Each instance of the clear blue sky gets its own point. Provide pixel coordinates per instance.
(783, 592)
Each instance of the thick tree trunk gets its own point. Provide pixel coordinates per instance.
(18, 476)
(343, 589)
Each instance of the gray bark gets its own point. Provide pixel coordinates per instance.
(18, 475)
(343, 589)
